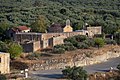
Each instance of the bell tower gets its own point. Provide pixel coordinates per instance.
(67, 22)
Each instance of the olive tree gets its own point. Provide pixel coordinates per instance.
(39, 25)
(15, 50)
(99, 42)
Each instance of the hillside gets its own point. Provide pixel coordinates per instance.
(94, 12)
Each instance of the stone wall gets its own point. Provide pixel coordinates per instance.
(47, 40)
(21, 37)
(31, 46)
(4, 63)
(94, 30)
(36, 46)
(77, 60)
(56, 41)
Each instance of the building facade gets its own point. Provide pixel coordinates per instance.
(67, 28)
(94, 30)
(44, 40)
(47, 40)
(4, 63)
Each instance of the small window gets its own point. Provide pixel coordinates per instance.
(0, 60)
(11, 34)
(86, 34)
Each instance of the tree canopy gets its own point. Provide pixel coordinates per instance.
(39, 25)
(100, 12)
(15, 50)
(99, 42)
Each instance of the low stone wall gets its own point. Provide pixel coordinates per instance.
(79, 60)
(98, 59)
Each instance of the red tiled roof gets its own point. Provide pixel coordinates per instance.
(23, 28)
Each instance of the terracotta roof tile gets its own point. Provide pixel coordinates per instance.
(23, 28)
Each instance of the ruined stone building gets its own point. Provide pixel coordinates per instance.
(4, 63)
(56, 34)
(35, 41)
(94, 30)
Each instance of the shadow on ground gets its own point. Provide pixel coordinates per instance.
(103, 70)
(53, 76)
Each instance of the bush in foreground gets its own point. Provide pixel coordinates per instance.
(58, 50)
(82, 45)
(15, 50)
(110, 41)
(80, 38)
(75, 73)
(90, 42)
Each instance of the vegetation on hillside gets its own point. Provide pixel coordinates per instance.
(79, 42)
(84, 42)
(39, 15)
(94, 12)
(39, 25)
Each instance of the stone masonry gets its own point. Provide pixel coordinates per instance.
(48, 40)
(4, 63)
(76, 60)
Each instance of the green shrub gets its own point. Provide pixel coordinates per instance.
(110, 41)
(80, 38)
(75, 73)
(58, 50)
(82, 45)
(69, 46)
(99, 42)
(89, 42)
(71, 40)
(33, 56)
(15, 50)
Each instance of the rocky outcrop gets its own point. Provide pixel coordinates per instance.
(89, 58)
